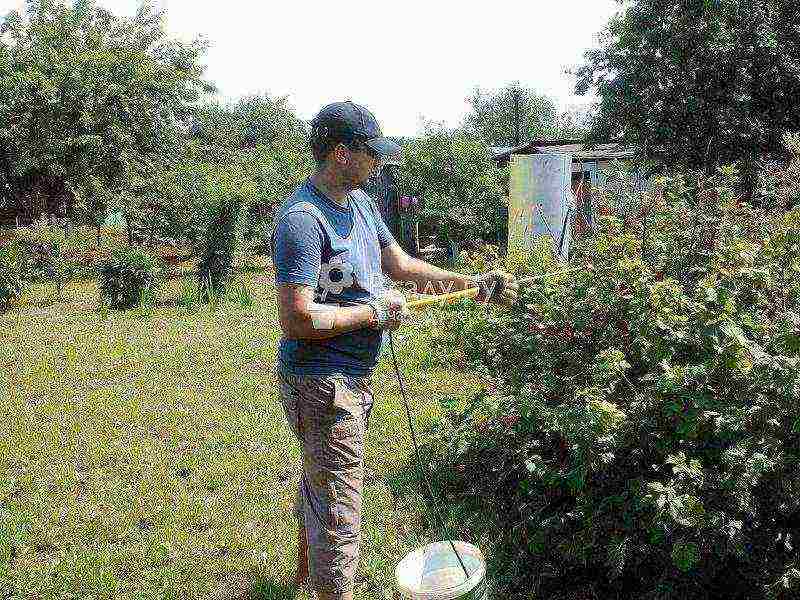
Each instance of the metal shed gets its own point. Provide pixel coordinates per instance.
(588, 165)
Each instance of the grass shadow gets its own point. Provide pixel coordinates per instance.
(252, 586)
(45, 302)
(270, 588)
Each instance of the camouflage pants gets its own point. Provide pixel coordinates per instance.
(329, 415)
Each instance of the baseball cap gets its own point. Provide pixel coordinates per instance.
(350, 121)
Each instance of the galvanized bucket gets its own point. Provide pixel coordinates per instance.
(434, 573)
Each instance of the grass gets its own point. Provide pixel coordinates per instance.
(145, 455)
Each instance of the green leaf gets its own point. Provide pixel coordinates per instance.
(685, 555)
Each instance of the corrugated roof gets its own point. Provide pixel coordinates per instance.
(496, 150)
(577, 148)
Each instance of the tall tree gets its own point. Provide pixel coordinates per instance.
(697, 83)
(90, 104)
(261, 135)
(511, 116)
(575, 122)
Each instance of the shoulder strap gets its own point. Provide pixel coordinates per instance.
(371, 205)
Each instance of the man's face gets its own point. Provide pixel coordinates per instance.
(362, 164)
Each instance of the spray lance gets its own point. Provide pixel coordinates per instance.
(424, 303)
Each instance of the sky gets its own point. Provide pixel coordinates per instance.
(405, 60)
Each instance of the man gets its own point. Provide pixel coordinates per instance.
(331, 250)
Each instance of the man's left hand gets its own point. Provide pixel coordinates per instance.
(498, 287)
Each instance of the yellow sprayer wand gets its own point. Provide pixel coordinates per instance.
(473, 292)
(442, 299)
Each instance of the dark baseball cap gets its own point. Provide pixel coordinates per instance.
(349, 121)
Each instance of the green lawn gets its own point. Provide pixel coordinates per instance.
(146, 456)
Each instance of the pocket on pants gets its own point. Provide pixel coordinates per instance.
(346, 443)
(346, 399)
(289, 401)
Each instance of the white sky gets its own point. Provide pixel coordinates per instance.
(404, 60)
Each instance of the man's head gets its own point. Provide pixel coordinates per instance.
(347, 140)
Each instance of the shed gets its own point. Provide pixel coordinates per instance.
(588, 164)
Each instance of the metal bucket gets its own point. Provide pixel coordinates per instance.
(434, 573)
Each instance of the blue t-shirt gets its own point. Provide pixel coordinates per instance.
(337, 251)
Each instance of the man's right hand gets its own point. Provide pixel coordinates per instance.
(398, 311)
(391, 311)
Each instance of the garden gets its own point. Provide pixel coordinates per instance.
(144, 453)
(639, 432)
(629, 429)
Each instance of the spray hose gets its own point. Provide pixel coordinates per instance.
(420, 470)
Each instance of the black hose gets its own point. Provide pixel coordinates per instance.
(422, 474)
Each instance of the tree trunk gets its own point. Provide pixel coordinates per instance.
(151, 241)
(453, 247)
(749, 177)
(128, 227)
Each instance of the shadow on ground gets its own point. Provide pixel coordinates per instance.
(254, 587)
(269, 588)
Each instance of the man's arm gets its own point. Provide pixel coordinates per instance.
(497, 286)
(303, 319)
(428, 278)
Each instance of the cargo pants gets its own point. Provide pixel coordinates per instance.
(329, 415)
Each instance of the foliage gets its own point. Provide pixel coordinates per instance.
(228, 194)
(128, 276)
(460, 188)
(262, 136)
(258, 138)
(576, 121)
(779, 181)
(91, 103)
(12, 281)
(42, 254)
(537, 260)
(697, 84)
(511, 115)
(642, 432)
(49, 253)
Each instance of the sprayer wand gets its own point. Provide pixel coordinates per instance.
(473, 292)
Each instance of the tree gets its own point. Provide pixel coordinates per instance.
(461, 189)
(260, 135)
(511, 116)
(89, 103)
(575, 122)
(698, 83)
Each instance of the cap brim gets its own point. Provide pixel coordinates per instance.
(384, 146)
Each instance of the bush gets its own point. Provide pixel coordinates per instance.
(127, 276)
(779, 181)
(43, 253)
(644, 436)
(80, 249)
(11, 277)
(461, 189)
(40, 245)
(223, 231)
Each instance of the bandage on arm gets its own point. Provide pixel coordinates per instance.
(303, 319)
